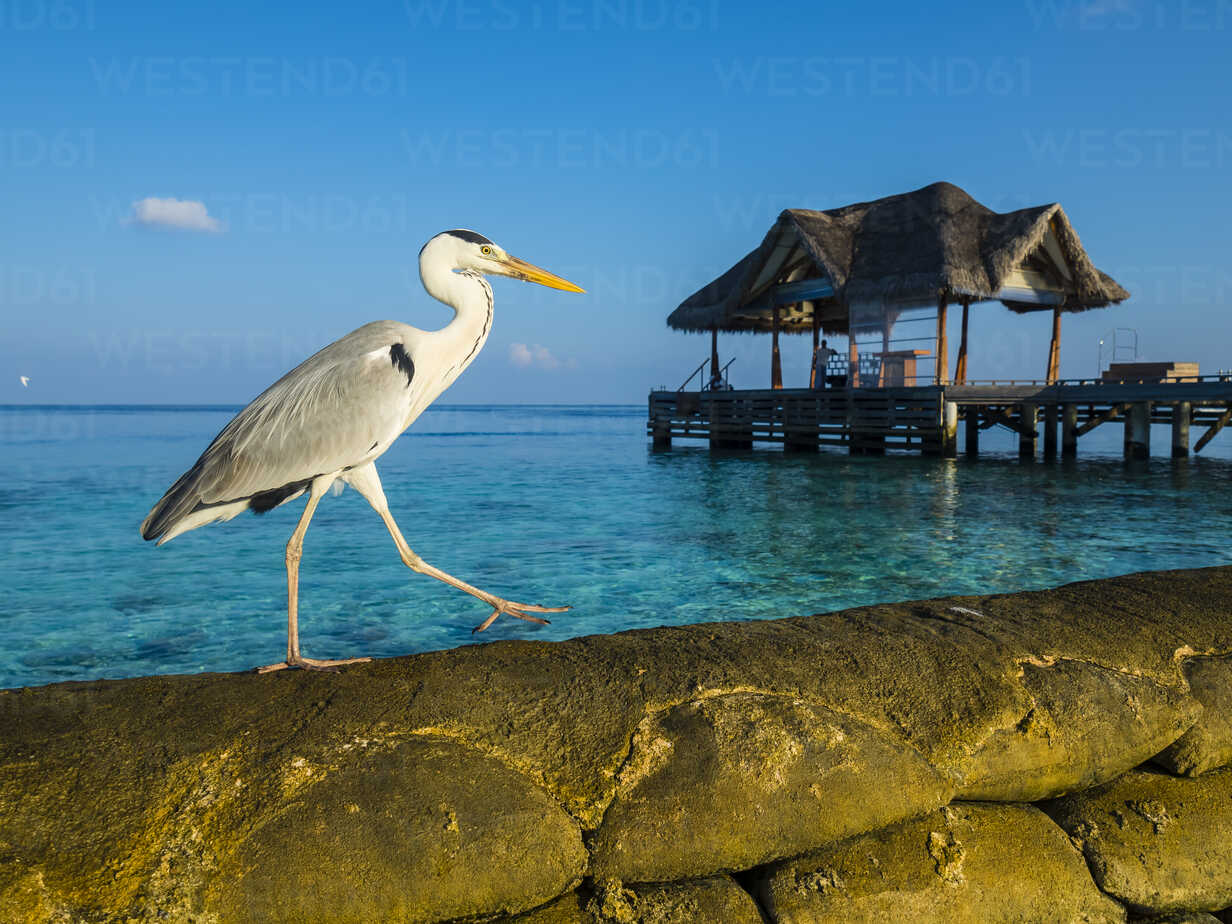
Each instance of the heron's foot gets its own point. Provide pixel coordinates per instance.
(309, 664)
(518, 611)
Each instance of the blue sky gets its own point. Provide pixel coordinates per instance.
(638, 147)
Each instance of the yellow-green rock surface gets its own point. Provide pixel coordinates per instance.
(737, 780)
(968, 863)
(1208, 744)
(716, 899)
(1159, 843)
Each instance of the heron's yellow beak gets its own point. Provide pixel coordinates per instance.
(520, 269)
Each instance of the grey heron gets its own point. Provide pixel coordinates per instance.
(333, 415)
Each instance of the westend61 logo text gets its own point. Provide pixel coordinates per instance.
(50, 15)
(564, 15)
(331, 77)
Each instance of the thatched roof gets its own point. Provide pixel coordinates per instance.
(904, 251)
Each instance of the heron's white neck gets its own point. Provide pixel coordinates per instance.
(470, 297)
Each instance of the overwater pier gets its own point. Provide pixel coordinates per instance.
(1048, 418)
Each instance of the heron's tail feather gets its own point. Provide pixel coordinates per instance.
(180, 500)
(182, 507)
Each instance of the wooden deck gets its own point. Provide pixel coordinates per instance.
(925, 418)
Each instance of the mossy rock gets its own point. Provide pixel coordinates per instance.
(730, 782)
(717, 899)
(213, 811)
(966, 864)
(1087, 724)
(1159, 843)
(1208, 744)
(422, 830)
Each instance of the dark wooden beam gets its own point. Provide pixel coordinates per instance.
(943, 355)
(813, 383)
(714, 352)
(776, 363)
(1054, 348)
(1215, 428)
(999, 415)
(960, 371)
(1111, 414)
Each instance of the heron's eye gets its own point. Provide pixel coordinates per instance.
(486, 251)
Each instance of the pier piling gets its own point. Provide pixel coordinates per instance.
(1050, 432)
(949, 429)
(1138, 431)
(1069, 431)
(972, 430)
(1181, 412)
(1029, 434)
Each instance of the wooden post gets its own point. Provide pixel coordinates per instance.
(885, 349)
(1139, 431)
(949, 429)
(660, 429)
(972, 428)
(960, 371)
(662, 437)
(1069, 431)
(1027, 438)
(729, 422)
(943, 356)
(853, 362)
(1050, 432)
(813, 383)
(714, 352)
(1054, 348)
(801, 419)
(1180, 429)
(776, 366)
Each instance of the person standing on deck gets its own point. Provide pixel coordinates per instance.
(820, 360)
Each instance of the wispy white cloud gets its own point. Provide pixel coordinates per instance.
(527, 356)
(177, 214)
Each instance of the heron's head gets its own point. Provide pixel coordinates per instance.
(465, 250)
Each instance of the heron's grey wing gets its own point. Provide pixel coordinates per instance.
(332, 411)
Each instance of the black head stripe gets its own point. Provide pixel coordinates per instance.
(469, 236)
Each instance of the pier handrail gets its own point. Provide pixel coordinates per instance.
(927, 380)
(705, 362)
(1222, 377)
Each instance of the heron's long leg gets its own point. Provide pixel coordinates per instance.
(365, 480)
(295, 547)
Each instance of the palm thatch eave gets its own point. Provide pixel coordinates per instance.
(910, 249)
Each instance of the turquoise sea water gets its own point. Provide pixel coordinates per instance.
(552, 505)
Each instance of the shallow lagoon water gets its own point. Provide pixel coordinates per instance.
(551, 505)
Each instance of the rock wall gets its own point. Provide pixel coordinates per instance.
(1036, 756)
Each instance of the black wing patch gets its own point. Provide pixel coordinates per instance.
(402, 360)
(268, 500)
